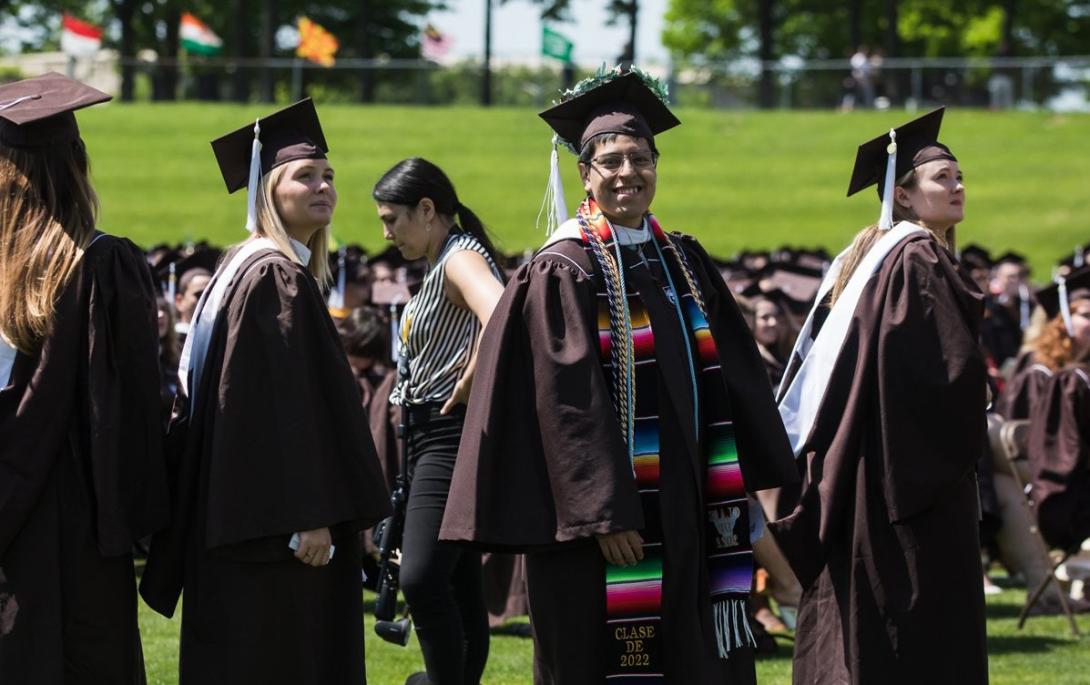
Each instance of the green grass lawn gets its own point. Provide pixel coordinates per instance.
(1042, 652)
(734, 179)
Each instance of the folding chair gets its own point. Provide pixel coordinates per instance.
(1009, 440)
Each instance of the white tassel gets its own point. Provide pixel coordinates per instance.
(253, 187)
(1023, 309)
(1080, 258)
(731, 627)
(1065, 307)
(749, 631)
(722, 639)
(885, 219)
(336, 295)
(172, 285)
(553, 205)
(734, 616)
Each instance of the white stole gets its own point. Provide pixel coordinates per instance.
(800, 403)
(204, 317)
(7, 361)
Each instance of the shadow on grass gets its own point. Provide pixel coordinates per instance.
(1025, 644)
(995, 611)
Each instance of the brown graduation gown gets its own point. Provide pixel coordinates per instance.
(1059, 457)
(1024, 389)
(543, 468)
(81, 478)
(885, 538)
(277, 443)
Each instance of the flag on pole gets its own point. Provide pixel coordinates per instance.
(316, 44)
(197, 38)
(79, 38)
(434, 45)
(556, 45)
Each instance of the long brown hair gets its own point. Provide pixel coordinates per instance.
(48, 211)
(866, 238)
(1054, 347)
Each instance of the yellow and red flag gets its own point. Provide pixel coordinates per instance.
(316, 44)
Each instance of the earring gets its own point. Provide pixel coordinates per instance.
(427, 227)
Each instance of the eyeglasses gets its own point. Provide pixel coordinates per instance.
(612, 163)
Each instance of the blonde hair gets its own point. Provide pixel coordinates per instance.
(866, 238)
(48, 211)
(271, 226)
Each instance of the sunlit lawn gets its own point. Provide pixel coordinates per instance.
(1043, 652)
(734, 179)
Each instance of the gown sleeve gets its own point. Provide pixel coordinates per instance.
(931, 381)
(124, 436)
(542, 459)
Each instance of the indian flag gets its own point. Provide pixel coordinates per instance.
(79, 38)
(197, 38)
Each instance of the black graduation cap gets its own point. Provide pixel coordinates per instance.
(787, 303)
(623, 104)
(917, 144)
(38, 112)
(203, 258)
(1080, 254)
(797, 282)
(1078, 288)
(976, 257)
(287, 135)
(1011, 257)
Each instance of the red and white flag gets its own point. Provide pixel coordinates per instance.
(79, 38)
(434, 45)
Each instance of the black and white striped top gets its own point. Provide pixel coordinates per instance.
(437, 336)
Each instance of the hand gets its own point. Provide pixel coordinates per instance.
(459, 396)
(314, 547)
(622, 549)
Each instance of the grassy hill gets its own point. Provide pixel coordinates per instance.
(734, 179)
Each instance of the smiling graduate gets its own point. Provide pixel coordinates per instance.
(619, 416)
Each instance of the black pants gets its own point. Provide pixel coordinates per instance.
(442, 582)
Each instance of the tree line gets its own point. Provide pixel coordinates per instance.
(695, 31)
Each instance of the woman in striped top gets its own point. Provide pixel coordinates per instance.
(441, 327)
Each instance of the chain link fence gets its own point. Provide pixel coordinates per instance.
(1057, 83)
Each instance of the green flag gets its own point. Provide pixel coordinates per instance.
(555, 45)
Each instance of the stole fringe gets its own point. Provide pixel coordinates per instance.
(732, 629)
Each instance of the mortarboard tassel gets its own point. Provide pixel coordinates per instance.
(336, 295)
(1065, 306)
(554, 205)
(1080, 259)
(1023, 306)
(252, 188)
(172, 285)
(885, 219)
(11, 103)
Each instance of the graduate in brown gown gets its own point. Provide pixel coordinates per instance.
(634, 521)
(1029, 376)
(82, 475)
(275, 472)
(885, 399)
(1059, 442)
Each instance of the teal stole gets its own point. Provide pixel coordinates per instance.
(634, 593)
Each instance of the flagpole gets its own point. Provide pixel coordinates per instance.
(297, 79)
(486, 75)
